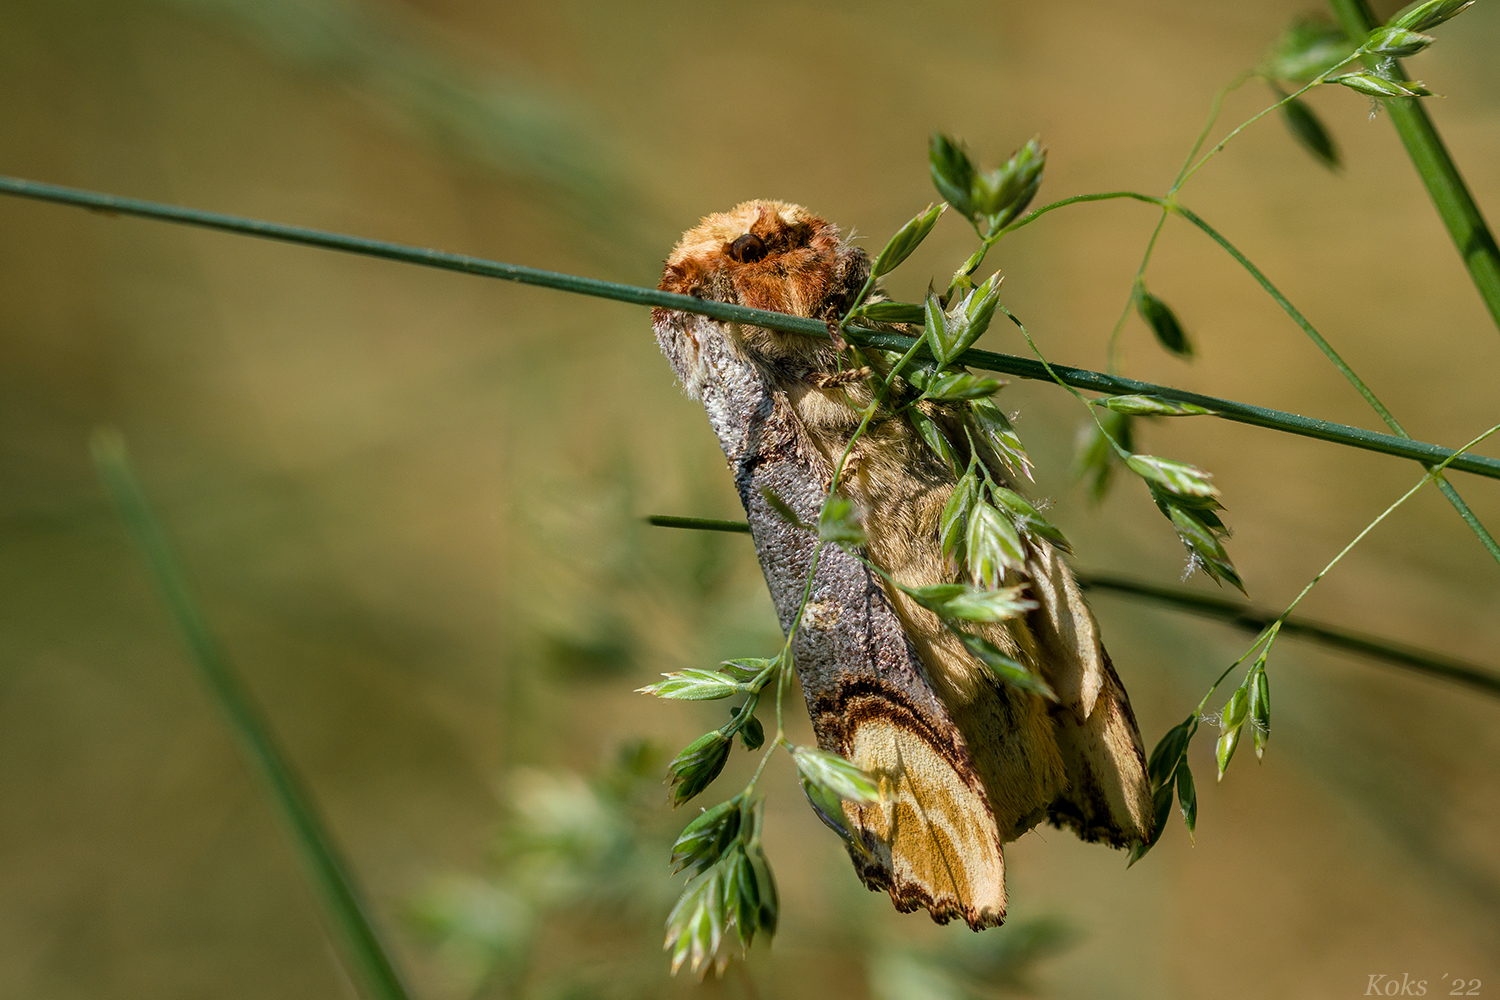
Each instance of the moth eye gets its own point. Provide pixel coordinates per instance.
(747, 249)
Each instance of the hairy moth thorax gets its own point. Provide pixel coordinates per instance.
(769, 255)
(964, 761)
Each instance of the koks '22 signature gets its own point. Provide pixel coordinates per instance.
(1389, 986)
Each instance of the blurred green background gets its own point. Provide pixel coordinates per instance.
(411, 500)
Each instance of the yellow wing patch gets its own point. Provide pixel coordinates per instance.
(932, 837)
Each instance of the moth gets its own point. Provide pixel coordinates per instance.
(965, 761)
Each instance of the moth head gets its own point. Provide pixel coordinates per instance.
(766, 255)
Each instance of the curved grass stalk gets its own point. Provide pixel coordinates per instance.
(1268, 635)
(1115, 355)
(1485, 538)
(1173, 206)
(1446, 177)
(1184, 173)
(1188, 172)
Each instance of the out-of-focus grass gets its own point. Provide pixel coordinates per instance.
(410, 75)
(365, 955)
(412, 500)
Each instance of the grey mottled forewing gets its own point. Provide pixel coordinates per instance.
(932, 841)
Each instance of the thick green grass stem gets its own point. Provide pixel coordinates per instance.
(342, 902)
(1450, 195)
(1080, 378)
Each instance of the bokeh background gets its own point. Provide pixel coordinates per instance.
(411, 500)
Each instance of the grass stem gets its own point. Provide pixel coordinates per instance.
(1236, 613)
(1079, 378)
(1243, 616)
(343, 904)
(1469, 518)
(1445, 185)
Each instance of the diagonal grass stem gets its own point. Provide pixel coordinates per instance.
(1080, 378)
(1445, 185)
(1269, 633)
(342, 902)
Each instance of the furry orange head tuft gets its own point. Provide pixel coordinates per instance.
(762, 254)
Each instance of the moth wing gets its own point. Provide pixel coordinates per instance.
(931, 840)
(1108, 795)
